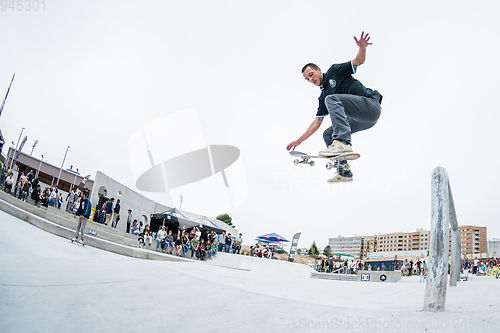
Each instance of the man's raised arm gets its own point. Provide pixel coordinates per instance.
(362, 42)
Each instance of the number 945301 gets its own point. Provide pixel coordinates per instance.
(22, 5)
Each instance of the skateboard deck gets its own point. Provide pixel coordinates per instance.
(77, 241)
(308, 159)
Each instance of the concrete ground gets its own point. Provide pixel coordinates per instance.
(48, 284)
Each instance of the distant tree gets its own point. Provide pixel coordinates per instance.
(313, 250)
(327, 251)
(226, 219)
(302, 251)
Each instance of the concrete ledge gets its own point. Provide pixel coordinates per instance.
(379, 276)
(361, 276)
(38, 217)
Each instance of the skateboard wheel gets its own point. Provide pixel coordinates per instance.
(296, 162)
(328, 166)
(312, 163)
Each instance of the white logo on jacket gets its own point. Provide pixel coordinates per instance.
(332, 82)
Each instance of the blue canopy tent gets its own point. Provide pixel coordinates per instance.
(272, 237)
(268, 242)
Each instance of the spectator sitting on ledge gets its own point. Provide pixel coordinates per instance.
(135, 228)
(194, 246)
(202, 250)
(169, 242)
(186, 244)
(9, 182)
(161, 238)
(209, 249)
(147, 235)
(178, 243)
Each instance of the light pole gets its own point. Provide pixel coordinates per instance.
(74, 181)
(33, 147)
(39, 166)
(11, 156)
(60, 170)
(12, 160)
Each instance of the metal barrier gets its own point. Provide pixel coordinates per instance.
(443, 216)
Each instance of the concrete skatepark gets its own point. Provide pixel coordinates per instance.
(48, 284)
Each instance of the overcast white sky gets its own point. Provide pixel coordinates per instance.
(91, 73)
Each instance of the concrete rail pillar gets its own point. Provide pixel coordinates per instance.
(435, 291)
(455, 243)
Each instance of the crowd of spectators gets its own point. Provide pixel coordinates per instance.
(329, 265)
(406, 267)
(262, 251)
(194, 242)
(27, 186)
(488, 266)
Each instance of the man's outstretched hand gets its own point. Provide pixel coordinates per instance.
(291, 146)
(363, 41)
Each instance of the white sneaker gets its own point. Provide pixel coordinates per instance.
(336, 148)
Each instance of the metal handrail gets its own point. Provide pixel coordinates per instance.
(338, 271)
(443, 216)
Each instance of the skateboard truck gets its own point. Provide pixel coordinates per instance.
(304, 160)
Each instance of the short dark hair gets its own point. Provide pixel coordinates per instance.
(313, 66)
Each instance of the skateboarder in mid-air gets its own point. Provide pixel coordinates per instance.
(351, 106)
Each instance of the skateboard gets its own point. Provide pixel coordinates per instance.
(74, 240)
(333, 163)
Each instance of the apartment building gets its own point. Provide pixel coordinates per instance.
(473, 239)
(402, 241)
(349, 245)
(494, 246)
(368, 245)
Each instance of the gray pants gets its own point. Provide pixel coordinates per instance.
(350, 114)
(82, 221)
